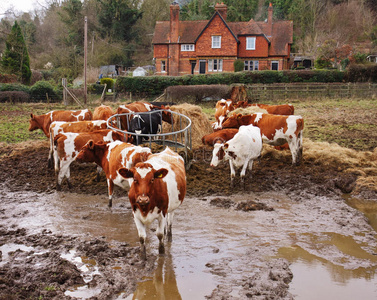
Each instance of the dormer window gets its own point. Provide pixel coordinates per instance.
(216, 41)
(187, 47)
(250, 43)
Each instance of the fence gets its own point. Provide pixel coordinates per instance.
(282, 91)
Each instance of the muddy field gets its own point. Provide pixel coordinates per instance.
(235, 237)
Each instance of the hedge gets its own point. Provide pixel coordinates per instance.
(155, 85)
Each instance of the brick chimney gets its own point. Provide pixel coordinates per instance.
(270, 13)
(174, 22)
(222, 9)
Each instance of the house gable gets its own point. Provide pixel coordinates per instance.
(216, 26)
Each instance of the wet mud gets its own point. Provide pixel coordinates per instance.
(228, 243)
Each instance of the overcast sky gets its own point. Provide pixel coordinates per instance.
(20, 5)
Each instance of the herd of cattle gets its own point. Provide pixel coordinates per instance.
(238, 137)
(157, 182)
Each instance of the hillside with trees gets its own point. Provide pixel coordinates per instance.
(335, 32)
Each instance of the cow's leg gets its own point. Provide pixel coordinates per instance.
(50, 160)
(169, 226)
(56, 161)
(110, 187)
(248, 163)
(161, 233)
(63, 172)
(99, 170)
(232, 173)
(142, 237)
(295, 151)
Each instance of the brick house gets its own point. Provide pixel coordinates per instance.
(212, 46)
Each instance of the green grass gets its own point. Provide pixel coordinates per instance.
(351, 123)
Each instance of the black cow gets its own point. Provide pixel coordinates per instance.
(145, 123)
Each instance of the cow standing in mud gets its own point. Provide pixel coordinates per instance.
(158, 188)
(68, 145)
(111, 157)
(241, 151)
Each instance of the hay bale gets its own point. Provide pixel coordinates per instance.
(200, 124)
(248, 110)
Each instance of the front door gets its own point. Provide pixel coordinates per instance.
(193, 64)
(202, 67)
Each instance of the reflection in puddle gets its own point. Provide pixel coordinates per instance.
(88, 268)
(163, 285)
(368, 208)
(316, 278)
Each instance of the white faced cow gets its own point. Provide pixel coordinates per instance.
(276, 130)
(158, 188)
(241, 151)
(111, 157)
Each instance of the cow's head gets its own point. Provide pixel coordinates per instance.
(232, 121)
(143, 186)
(166, 114)
(218, 154)
(88, 151)
(33, 123)
(223, 107)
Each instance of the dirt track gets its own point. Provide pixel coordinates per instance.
(23, 170)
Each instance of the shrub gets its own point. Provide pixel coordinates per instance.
(362, 73)
(7, 78)
(238, 65)
(41, 89)
(108, 81)
(155, 85)
(96, 88)
(321, 63)
(16, 87)
(14, 96)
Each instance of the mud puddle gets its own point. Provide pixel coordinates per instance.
(304, 245)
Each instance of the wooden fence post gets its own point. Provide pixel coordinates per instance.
(64, 84)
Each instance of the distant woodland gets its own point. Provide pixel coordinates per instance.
(121, 31)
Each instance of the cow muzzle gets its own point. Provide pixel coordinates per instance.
(142, 200)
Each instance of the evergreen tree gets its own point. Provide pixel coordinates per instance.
(16, 57)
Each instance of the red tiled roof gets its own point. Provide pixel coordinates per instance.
(281, 36)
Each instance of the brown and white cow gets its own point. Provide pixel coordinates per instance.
(140, 106)
(57, 127)
(220, 136)
(44, 121)
(102, 112)
(279, 109)
(224, 107)
(68, 145)
(111, 157)
(158, 188)
(276, 130)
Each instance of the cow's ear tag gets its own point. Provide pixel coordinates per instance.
(159, 175)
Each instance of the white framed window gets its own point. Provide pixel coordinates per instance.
(250, 43)
(251, 65)
(216, 41)
(215, 65)
(187, 47)
(163, 66)
(275, 65)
